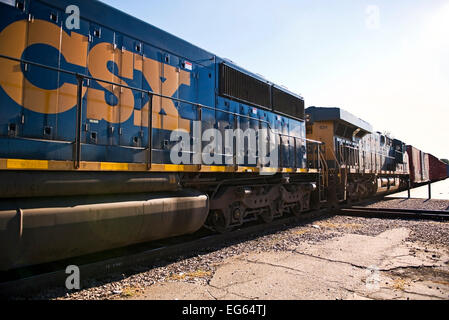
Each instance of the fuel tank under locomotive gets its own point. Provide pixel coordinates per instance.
(44, 229)
(388, 184)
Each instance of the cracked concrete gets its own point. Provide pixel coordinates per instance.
(351, 266)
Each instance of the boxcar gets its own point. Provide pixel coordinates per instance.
(419, 167)
(437, 168)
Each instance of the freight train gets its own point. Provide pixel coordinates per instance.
(114, 132)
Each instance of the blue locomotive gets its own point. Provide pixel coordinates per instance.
(366, 162)
(89, 100)
(114, 132)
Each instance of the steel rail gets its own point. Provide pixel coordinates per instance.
(402, 210)
(394, 213)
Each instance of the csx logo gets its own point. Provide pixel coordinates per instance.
(162, 78)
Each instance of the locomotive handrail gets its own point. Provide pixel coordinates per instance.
(325, 168)
(372, 152)
(80, 78)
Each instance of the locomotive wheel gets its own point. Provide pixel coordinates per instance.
(267, 215)
(297, 209)
(237, 215)
(220, 221)
(354, 198)
(349, 201)
(278, 208)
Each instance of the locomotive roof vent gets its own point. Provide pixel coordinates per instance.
(242, 87)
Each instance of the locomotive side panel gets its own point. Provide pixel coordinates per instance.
(323, 131)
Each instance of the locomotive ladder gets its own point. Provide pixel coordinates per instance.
(334, 179)
(324, 176)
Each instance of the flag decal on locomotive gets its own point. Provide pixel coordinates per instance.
(188, 65)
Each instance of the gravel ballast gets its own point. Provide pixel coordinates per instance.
(200, 267)
(412, 203)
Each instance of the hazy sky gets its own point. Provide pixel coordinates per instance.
(386, 61)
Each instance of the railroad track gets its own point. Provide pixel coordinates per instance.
(35, 282)
(394, 213)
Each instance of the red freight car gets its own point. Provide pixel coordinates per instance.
(419, 165)
(437, 168)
